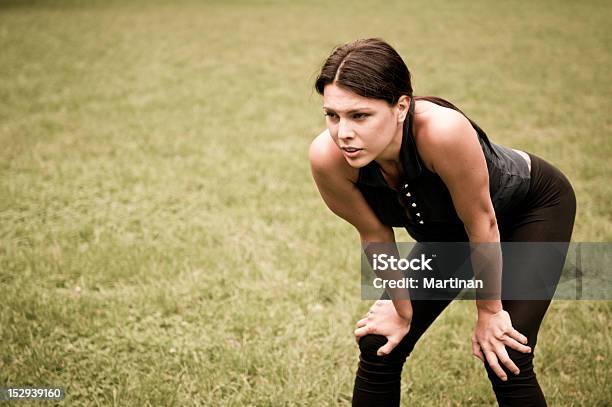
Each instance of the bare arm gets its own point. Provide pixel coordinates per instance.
(452, 150)
(450, 147)
(335, 181)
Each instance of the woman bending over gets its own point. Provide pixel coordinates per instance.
(390, 159)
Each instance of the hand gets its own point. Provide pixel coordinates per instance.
(492, 332)
(383, 319)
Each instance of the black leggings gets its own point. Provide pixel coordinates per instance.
(546, 215)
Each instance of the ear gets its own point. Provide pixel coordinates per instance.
(402, 107)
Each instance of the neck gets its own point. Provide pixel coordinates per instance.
(389, 159)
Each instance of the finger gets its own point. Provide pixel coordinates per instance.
(512, 343)
(503, 357)
(514, 334)
(363, 331)
(386, 348)
(477, 351)
(362, 322)
(492, 361)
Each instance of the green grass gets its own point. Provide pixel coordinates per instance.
(161, 239)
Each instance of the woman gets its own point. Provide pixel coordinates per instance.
(389, 159)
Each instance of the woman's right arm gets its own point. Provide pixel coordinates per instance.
(335, 180)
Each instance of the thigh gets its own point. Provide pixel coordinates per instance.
(425, 313)
(534, 259)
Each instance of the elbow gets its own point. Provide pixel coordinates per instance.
(383, 234)
(492, 223)
(494, 229)
(485, 229)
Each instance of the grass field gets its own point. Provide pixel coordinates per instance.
(162, 242)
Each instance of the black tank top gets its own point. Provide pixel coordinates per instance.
(423, 204)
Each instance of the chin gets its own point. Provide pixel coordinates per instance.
(358, 162)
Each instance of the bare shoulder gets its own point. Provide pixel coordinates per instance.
(441, 129)
(438, 124)
(326, 159)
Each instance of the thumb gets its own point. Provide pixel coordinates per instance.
(386, 348)
(477, 352)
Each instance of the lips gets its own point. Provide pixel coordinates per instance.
(351, 152)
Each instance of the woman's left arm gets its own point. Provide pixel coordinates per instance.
(450, 148)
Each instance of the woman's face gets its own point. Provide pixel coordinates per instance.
(364, 129)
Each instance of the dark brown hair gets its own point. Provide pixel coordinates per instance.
(371, 68)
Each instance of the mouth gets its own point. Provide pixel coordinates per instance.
(351, 152)
(351, 149)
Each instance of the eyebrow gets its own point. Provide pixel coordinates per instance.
(357, 110)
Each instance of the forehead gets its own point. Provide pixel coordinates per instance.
(343, 100)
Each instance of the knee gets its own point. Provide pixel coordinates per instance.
(378, 378)
(369, 345)
(377, 370)
(524, 361)
(519, 390)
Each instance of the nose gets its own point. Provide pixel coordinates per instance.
(344, 130)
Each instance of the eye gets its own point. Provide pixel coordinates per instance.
(331, 115)
(358, 116)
